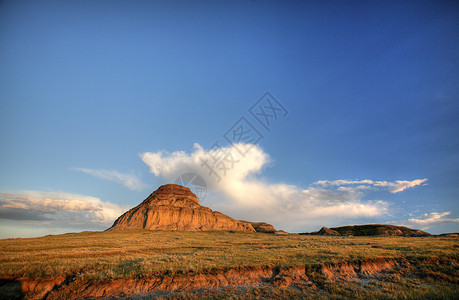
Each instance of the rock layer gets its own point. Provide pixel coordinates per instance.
(175, 207)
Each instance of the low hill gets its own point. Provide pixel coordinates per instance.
(452, 234)
(379, 229)
(369, 230)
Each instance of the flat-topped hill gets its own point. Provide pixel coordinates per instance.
(175, 207)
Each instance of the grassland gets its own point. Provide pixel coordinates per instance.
(137, 253)
(119, 261)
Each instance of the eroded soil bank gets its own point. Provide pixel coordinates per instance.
(323, 280)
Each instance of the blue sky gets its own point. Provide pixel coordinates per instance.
(103, 101)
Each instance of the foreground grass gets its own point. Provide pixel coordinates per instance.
(137, 253)
(403, 289)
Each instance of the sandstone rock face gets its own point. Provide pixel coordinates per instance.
(175, 207)
(327, 231)
(260, 226)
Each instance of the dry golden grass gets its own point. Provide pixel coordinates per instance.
(137, 253)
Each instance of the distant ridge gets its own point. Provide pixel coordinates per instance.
(451, 234)
(371, 230)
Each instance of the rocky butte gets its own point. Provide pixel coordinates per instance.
(175, 207)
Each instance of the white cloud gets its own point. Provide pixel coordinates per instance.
(58, 207)
(400, 185)
(130, 181)
(432, 219)
(242, 194)
(393, 187)
(343, 182)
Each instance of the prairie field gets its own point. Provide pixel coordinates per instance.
(131, 253)
(134, 254)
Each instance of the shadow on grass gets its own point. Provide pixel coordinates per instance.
(11, 289)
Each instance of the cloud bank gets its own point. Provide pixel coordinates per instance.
(234, 179)
(431, 219)
(393, 187)
(130, 181)
(58, 208)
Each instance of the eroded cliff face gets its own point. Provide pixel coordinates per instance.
(311, 279)
(175, 207)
